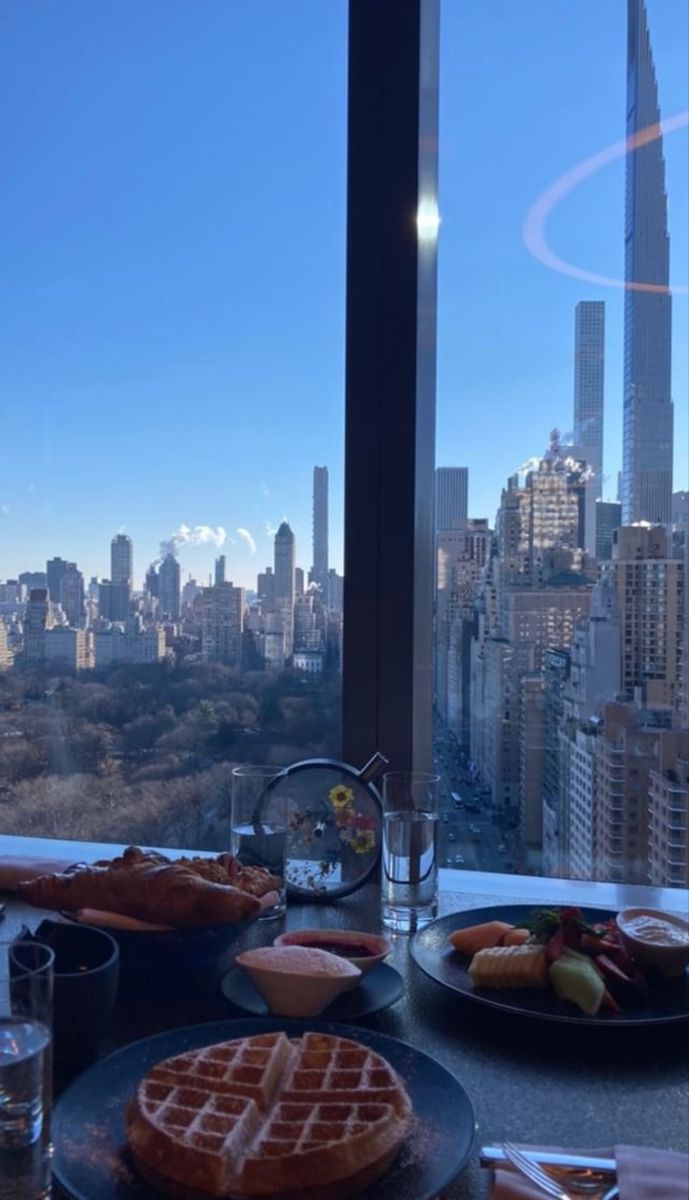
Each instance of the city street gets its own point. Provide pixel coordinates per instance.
(468, 835)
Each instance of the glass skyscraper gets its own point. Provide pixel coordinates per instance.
(647, 462)
(589, 387)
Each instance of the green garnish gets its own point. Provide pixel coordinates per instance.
(544, 922)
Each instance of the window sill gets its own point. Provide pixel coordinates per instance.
(530, 888)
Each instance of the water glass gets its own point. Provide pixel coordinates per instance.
(259, 825)
(410, 868)
(26, 988)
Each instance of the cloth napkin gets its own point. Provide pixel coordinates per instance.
(15, 869)
(642, 1174)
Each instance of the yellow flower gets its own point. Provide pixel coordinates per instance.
(340, 796)
(364, 841)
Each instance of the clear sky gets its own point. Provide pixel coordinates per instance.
(172, 221)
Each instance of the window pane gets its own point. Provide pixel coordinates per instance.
(560, 623)
(172, 345)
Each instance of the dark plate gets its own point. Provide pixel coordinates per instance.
(664, 1002)
(88, 1125)
(378, 989)
(165, 952)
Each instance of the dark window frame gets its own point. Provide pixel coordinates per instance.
(390, 381)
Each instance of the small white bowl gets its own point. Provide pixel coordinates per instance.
(670, 960)
(378, 947)
(298, 981)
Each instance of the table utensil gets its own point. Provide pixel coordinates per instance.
(410, 866)
(259, 825)
(665, 1002)
(559, 1188)
(377, 990)
(604, 1169)
(90, 1141)
(26, 978)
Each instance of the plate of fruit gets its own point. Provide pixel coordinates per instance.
(555, 963)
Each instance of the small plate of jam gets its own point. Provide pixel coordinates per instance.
(365, 950)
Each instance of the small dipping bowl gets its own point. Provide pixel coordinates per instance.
(342, 942)
(670, 960)
(291, 985)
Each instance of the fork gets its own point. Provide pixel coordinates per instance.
(549, 1185)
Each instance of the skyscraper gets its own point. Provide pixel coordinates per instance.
(122, 560)
(72, 594)
(647, 452)
(121, 578)
(55, 569)
(284, 582)
(451, 496)
(220, 565)
(169, 587)
(319, 573)
(589, 366)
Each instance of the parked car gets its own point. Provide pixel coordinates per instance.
(502, 848)
(450, 837)
(459, 859)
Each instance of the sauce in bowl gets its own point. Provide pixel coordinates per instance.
(656, 931)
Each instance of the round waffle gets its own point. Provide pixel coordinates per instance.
(264, 1116)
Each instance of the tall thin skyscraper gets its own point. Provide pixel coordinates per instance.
(451, 496)
(319, 573)
(169, 577)
(284, 583)
(220, 565)
(589, 368)
(647, 457)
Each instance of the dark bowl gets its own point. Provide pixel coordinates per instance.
(157, 954)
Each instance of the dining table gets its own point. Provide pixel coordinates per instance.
(529, 1080)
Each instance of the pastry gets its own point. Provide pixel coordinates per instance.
(164, 893)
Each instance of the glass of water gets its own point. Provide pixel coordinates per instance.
(259, 825)
(26, 992)
(410, 869)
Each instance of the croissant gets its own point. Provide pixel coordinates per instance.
(164, 893)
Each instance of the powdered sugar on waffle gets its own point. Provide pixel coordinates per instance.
(239, 1115)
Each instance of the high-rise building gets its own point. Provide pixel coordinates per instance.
(608, 519)
(284, 583)
(6, 657)
(265, 589)
(299, 581)
(669, 812)
(319, 572)
(169, 577)
(220, 567)
(33, 579)
(37, 619)
(589, 389)
(650, 595)
(122, 560)
(72, 594)
(152, 584)
(67, 647)
(55, 569)
(647, 448)
(451, 496)
(222, 623)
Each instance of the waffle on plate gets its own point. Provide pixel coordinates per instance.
(316, 1118)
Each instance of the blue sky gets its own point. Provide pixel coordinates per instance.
(172, 220)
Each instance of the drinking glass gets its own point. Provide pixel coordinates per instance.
(26, 990)
(410, 869)
(259, 825)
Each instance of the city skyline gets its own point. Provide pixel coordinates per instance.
(147, 398)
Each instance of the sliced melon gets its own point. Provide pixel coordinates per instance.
(575, 978)
(479, 937)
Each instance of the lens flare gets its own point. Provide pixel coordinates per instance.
(533, 230)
